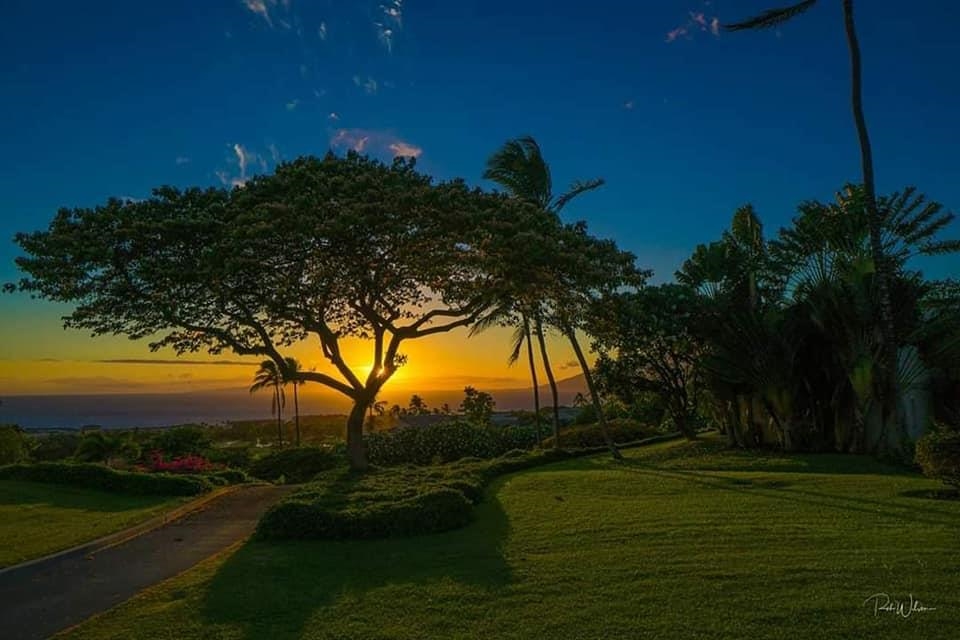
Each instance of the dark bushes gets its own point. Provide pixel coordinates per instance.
(177, 442)
(95, 476)
(621, 431)
(294, 465)
(444, 442)
(938, 454)
(399, 501)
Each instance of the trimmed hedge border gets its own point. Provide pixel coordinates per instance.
(403, 501)
(95, 476)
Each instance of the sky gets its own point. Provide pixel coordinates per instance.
(684, 121)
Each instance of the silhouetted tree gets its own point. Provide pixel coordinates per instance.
(328, 248)
(270, 375)
(290, 372)
(893, 429)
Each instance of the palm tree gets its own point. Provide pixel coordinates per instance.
(520, 168)
(290, 372)
(889, 355)
(269, 375)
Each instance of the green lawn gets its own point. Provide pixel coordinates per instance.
(37, 519)
(677, 542)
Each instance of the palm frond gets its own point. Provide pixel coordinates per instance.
(575, 190)
(771, 17)
(517, 340)
(519, 167)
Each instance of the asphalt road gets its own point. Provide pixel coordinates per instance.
(38, 601)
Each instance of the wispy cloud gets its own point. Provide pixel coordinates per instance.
(176, 362)
(322, 31)
(182, 160)
(334, 116)
(629, 105)
(697, 22)
(390, 23)
(292, 104)
(245, 159)
(369, 85)
(274, 153)
(260, 8)
(267, 9)
(406, 150)
(379, 143)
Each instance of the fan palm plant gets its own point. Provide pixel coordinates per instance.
(270, 376)
(773, 18)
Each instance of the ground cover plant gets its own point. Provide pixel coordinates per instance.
(682, 539)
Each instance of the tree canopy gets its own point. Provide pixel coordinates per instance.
(322, 249)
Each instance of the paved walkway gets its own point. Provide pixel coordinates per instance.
(40, 600)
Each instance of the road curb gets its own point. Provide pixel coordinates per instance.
(119, 537)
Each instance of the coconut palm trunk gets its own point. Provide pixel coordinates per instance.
(276, 398)
(591, 387)
(891, 427)
(296, 412)
(538, 323)
(533, 377)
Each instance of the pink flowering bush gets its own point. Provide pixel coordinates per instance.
(184, 464)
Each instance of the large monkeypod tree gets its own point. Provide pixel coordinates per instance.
(321, 250)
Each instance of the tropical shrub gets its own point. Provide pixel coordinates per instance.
(178, 442)
(230, 476)
(621, 431)
(96, 476)
(294, 465)
(184, 464)
(938, 454)
(54, 447)
(397, 501)
(445, 442)
(100, 446)
(235, 457)
(13, 444)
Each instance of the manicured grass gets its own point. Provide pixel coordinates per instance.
(680, 541)
(37, 519)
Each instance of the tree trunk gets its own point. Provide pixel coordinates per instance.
(593, 393)
(296, 412)
(892, 429)
(276, 396)
(551, 380)
(356, 448)
(533, 376)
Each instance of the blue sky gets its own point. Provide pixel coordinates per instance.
(113, 98)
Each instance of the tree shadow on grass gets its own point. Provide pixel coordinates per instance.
(797, 493)
(271, 589)
(16, 493)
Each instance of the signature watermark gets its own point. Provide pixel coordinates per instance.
(883, 603)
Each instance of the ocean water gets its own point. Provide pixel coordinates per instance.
(133, 410)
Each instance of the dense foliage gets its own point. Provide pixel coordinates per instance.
(622, 431)
(96, 476)
(401, 501)
(445, 442)
(938, 454)
(14, 445)
(293, 465)
(792, 345)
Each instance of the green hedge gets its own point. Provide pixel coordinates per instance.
(622, 431)
(445, 442)
(399, 501)
(95, 476)
(294, 465)
(230, 476)
(938, 454)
